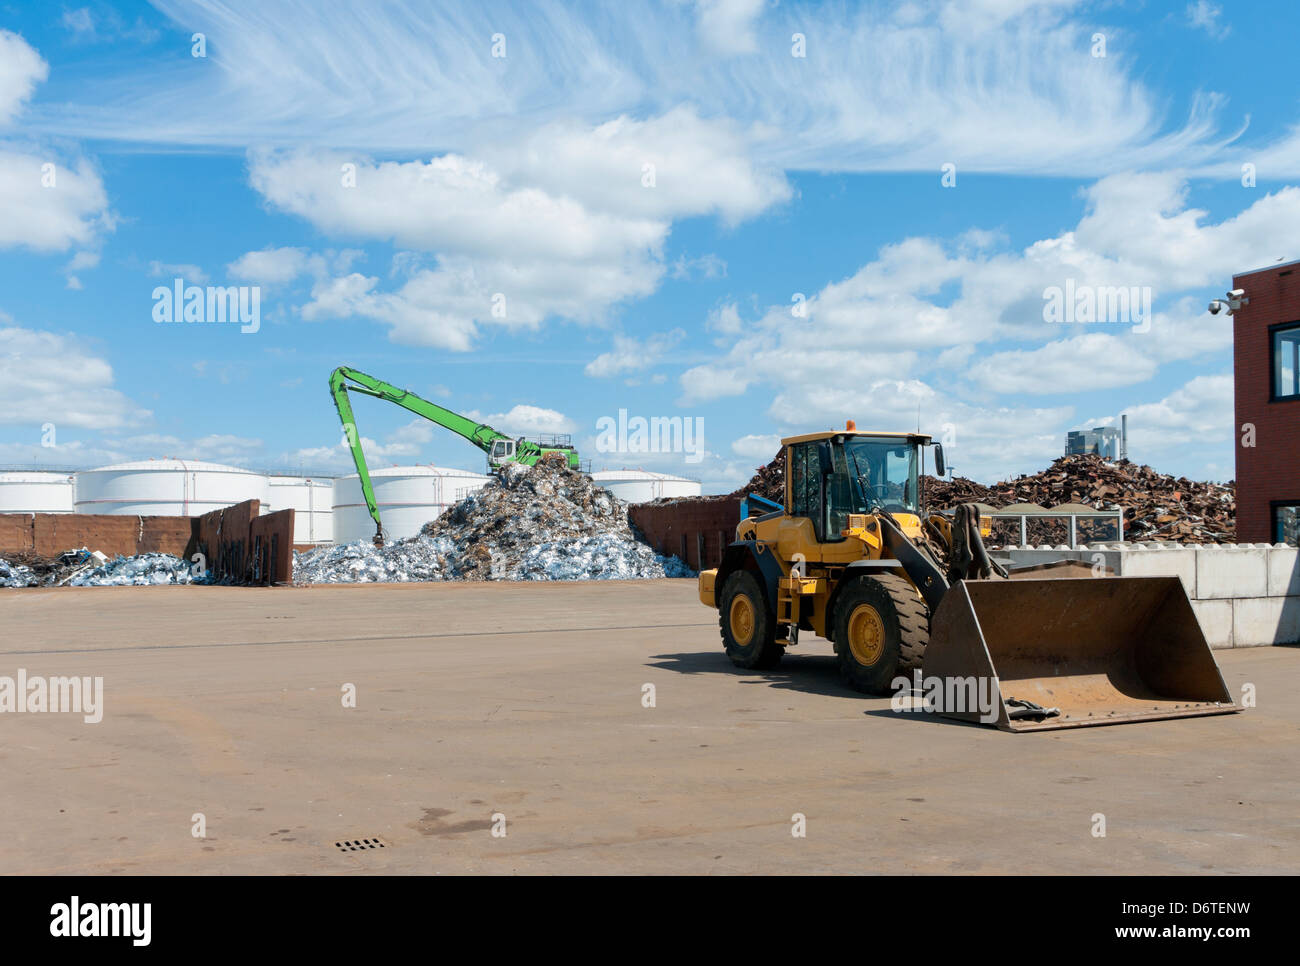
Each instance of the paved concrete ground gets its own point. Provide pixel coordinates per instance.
(526, 700)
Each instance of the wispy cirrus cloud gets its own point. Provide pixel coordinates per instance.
(907, 86)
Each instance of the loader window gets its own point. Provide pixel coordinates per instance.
(798, 471)
(884, 473)
(806, 490)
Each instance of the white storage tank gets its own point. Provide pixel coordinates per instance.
(408, 497)
(642, 486)
(168, 487)
(312, 500)
(36, 492)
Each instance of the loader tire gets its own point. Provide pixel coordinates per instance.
(881, 629)
(751, 642)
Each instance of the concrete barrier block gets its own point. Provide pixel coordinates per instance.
(1225, 574)
(1258, 621)
(1162, 563)
(1284, 572)
(1216, 621)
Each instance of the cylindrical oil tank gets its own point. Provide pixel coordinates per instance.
(36, 492)
(408, 497)
(169, 487)
(312, 500)
(642, 486)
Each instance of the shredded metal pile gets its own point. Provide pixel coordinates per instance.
(546, 522)
(148, 569)
(144, 570)
(17, 575)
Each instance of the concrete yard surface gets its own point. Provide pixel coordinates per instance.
(519, 707)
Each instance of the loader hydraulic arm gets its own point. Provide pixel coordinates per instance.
(344, 380)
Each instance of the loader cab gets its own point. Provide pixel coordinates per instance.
(834, 475)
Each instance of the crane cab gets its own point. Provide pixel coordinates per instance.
(502, 452)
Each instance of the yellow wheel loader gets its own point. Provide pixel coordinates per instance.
(912, 603)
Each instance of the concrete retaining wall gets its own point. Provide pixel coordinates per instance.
(1245, 595)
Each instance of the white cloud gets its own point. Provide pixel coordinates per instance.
(630, 354)
(1192, 423)
(21, 70)
(80, 21)
(69, 212)
(192, 274)
(105, 26)
(417, 432)
(1205, 16)
(279, 266)
(452, 202)
(906, 87)
(1095, 360)
(757, 446)
(727, 26)
(49, 378)
(955, 334)
(525, 420)
(48, 205)
(725, 319)
(705, 266)
(214, 447)
(272, 266)
(561, 226)
(700, 167)
(1137, 232)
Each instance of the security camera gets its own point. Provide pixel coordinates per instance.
(1234, 300)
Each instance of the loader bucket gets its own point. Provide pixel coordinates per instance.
(1102, 650)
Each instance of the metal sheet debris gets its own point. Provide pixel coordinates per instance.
(545, 522)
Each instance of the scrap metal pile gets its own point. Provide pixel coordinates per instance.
(1156, 506)
(81, 568)
(14, 574)
(545, 522)
(768, 481)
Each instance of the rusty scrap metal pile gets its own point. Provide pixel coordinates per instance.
(768, 481)
(1156, 506)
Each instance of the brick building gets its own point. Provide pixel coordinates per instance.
(1266, 364)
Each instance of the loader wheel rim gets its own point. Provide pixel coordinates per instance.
(742, 620)
(866, 635)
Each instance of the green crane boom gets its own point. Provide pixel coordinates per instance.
(500, 448)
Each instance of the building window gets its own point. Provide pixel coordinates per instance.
(1286, 524)
(1286, 362)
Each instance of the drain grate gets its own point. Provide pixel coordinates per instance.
(360, 845)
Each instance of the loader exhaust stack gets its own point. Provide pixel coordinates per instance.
(1103, 650)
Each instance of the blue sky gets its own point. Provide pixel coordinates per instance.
(525, 176)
